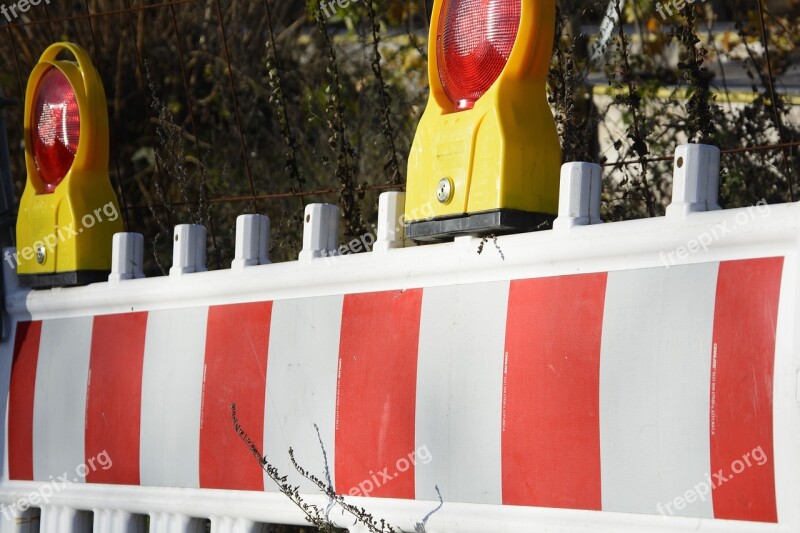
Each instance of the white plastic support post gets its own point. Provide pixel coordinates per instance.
(119, 522)
(60, 519)
(188, 250)
(252, 241)
(391, 231)
(225, 524)
(695, 182)
(579, 195)
(264, 229)
(127, 257)
(175, 523)
(797, 389)
(13, 520)
(320, 231)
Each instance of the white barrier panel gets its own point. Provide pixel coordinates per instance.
(635, 376)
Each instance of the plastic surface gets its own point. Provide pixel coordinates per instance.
(127, 259)
(56, 128)
(188, 249)
(579, 199)
(695, 184)
(474, 43)
(73, 219)
(503, 153)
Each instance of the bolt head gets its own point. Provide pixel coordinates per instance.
(444, 191)
(41, 254)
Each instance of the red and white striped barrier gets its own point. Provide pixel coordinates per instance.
(563, 381)
(611, 391)
(532, 392)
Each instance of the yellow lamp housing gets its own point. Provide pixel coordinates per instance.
(485, 160)
(68, 213)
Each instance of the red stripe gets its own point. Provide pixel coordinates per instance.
(20, 401)
(743, 357)
(113, 410)
(376, 393)
(551, 422)
(237, 343)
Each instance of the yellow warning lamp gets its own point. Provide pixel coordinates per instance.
(486, 155)
(68, 214)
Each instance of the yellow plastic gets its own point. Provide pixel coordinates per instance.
(504, 153)
(76, 223)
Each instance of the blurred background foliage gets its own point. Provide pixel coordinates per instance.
(224, 107)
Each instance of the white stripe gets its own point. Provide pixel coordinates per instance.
(172, 386)
(301, 387)
(655, 368)
(459, 392)
(59, 405)
(786, 396)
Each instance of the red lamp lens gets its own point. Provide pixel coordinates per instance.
(56, 128)
(474, 42)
